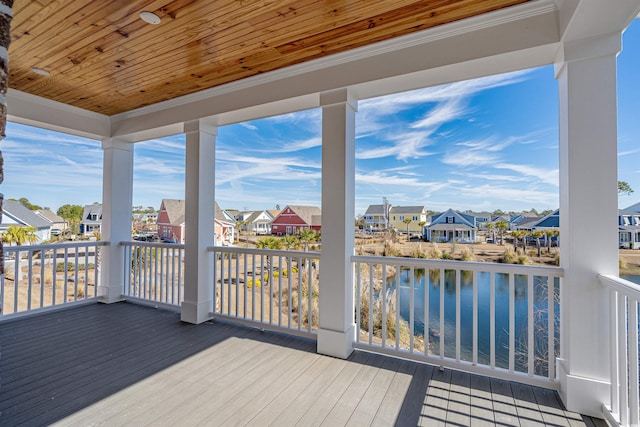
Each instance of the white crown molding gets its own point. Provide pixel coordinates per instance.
(491, 19)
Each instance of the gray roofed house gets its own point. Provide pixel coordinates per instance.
(16, 214)
(91, 219)
(58, 224)
(377, 217)
(633, 208)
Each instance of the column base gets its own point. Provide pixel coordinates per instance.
(195, 313)
(580, 394)
(336, 343)
(109, 294)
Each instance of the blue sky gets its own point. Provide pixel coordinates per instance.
(484, 144)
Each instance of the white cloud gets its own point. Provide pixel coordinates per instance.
(469, 159)
(548, 176)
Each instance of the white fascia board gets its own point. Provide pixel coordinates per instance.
(496, 41)
(40, 112)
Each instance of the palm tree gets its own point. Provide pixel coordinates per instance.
(490, 226)
(269, 242)
(19, 235)
(289, 241)
(307, 236)
(537, 234)
(501, 226)
(407, 221)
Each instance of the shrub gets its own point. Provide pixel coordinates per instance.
(391, 249)
(467, 255)
(418, 253)
(447, 256)
(556, 260)
(523, 260)
(251, 283)
(508, 257)
(622, 263)
(60, 267)
(435, 252)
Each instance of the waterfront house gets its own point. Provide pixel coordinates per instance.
(98, 70)
(295, 218)
(256, 222)
(376, 217)
(399, 214)
(452, 226)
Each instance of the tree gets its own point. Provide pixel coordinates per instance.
(407, 221)
(501, 226)
(307, 236)
(25, 202)
(624, 188)
(16, 235)
(490, 226)
(289, 242)
(548, 235)
(537, 234)
(73, 214)
(269, 242)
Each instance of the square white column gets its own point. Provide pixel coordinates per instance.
(336, 332)
(199, 218)
(117, 189)
(586, 75)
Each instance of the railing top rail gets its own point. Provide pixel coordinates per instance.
(621, 285)
(270, 252)
(462, 265)
(153, 244)
(50, 246)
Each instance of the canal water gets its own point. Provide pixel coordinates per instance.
(429, 281)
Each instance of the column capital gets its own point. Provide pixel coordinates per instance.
(117, 143)
(339, 96)
(209, 126)
(589, 48)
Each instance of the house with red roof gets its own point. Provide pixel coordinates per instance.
(295, 218)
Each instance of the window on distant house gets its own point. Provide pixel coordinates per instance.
(451, 220)
(415, 218)
(401, 217)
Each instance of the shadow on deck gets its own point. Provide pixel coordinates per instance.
(128, 364)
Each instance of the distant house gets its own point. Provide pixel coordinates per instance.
(171, 223)
(482, 218)
(258, 222)
(377, 217)
(15, 214)
(452, 226)
(58, 224)
(295, 218)
(91, 219)
(399, 214)
(629, 228)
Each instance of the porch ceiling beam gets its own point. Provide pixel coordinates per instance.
(584, 19)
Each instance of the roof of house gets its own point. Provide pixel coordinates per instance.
(633, 208)
(49, 215)
(550, 221)
(306, 213)
(467, 219)
(375, 210)
(176, 207)
(255, 215)
(406, 209)
(175, 210)
(273, 212)
(21, 214)
(95, 209)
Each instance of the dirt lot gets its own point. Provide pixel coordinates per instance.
(366, 244)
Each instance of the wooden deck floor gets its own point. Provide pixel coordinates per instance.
(126, 364)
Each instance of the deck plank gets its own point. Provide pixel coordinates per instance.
(125, 364)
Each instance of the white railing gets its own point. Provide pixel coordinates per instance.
(267, 288)
(40, 277)
(496, 319)
(625, 300)
(154, 272)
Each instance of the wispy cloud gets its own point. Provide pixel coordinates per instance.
(548, 176)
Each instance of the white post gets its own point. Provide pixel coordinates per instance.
(117, 188)
(586, 74)
(199, 217)
(336, 332)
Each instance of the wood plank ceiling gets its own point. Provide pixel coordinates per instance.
(102, 57)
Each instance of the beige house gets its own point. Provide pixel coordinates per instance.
(415, 217)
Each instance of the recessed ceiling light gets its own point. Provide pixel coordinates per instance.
(40, 71)
(150, 18)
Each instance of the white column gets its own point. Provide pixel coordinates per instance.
(117, 189)
(199, 217)
(337, 329)
(586, 75)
